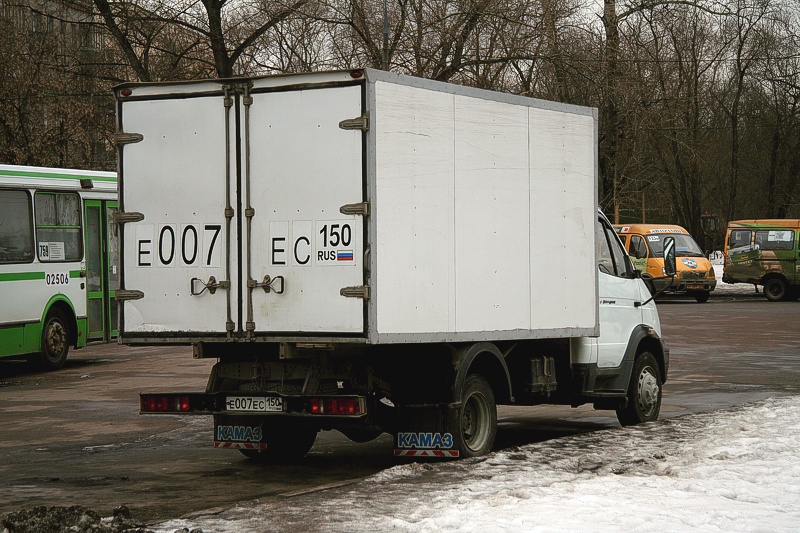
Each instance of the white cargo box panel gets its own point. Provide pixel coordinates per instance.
(357, 207)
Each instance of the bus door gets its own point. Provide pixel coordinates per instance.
(102, 270)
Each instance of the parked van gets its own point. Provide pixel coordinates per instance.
(764, 252)
(645, 244)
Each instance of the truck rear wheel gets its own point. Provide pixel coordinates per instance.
(477, 418)
(284, 443)
(55, 341)
(644, 392)
(775, 289)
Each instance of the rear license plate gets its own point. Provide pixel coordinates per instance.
(254, 403)
(694, 286)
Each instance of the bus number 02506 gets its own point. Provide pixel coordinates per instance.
(59, 278)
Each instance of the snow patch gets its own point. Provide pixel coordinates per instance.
(731, 470)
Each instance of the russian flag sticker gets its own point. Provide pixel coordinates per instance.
(344, 255)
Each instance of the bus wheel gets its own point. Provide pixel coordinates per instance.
(701, 296)
(477, 418)
(775, 289)
(644, 392)
(55, 341)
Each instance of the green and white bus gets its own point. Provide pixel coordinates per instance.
(58, 261)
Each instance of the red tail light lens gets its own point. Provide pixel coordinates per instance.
(336, 406)
(165, 403)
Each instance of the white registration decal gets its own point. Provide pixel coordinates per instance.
(254, 403)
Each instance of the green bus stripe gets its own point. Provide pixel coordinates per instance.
(21, 276)
(58, 227)
(28, 276)
(23, 174)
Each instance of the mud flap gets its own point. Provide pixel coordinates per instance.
(426, 431)
(239, 432)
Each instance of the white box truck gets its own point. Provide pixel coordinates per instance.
(371, 252)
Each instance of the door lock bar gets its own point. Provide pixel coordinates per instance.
(268, 284)
(211, 286)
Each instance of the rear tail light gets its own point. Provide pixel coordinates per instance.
(337, 406)
(165, 403)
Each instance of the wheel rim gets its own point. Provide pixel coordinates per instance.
(648, 392)
(774, 289)
(475, 421)
(56, 339)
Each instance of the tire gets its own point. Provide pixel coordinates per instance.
(284, 444)
(775, 289)
(701, 296)
(55, 341)
(794, 293)
(644, 392)
(477, 418)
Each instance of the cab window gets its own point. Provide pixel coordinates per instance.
(611, 256)
(739, 237)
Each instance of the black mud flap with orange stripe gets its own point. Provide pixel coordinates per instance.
(426, 431)
(239, 432)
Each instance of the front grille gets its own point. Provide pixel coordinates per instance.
(693, 274)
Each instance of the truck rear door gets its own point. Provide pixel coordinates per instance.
(302, 169)
(240, 187)
(175, 177)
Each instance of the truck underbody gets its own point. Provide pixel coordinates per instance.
(270, 399)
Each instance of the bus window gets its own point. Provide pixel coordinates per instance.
(739, 237)
(775, 239)
(16, 230)
(58, 226)
(638, 247)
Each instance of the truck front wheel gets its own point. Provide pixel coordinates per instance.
(644, 392)
(477, 418)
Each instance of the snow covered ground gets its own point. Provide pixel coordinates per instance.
(732, 470)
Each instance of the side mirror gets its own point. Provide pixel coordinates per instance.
(670, 269)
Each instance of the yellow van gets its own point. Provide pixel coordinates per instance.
(645, 244)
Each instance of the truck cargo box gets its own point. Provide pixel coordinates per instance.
(355, 206)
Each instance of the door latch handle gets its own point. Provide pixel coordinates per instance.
(268, 284)
(211, 286)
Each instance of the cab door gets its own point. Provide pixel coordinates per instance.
(621, 296)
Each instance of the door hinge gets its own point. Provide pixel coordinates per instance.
(121, 217)
(355, 209)
(121, 138)
(359, 291)
(360, 123)
(121, 295)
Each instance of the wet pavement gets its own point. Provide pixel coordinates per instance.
(74, 436)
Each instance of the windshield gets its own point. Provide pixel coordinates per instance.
(684, 245)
